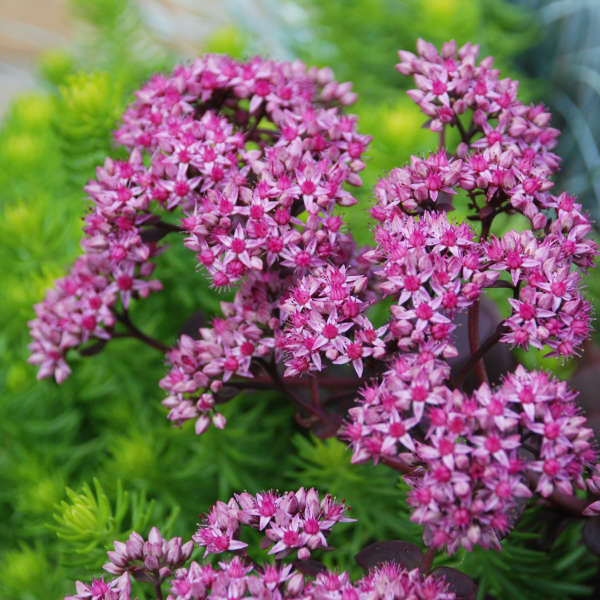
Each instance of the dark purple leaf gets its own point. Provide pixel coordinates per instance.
(406, 554)
(444, 202)
(150, 219)
(265, 543)
(462, 585)
(309, 567)
(192, 324)
(591, 535)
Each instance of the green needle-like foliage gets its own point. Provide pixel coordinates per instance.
(88, 522)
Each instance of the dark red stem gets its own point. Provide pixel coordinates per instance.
(570, 504)
(474, 342)
(139, 335)
(477, 356)
(427, 560)
(279, 382)
(157, 588)
(169, 227)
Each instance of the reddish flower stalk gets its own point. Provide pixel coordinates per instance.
(474, 342)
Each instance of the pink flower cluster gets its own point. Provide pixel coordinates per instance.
(294, 520)
(291, 522)
(389, 581)
(509, 143)
(243, 150)
(324, 316)
(504, 165)
(549, 308)
(200, 367)
(472, 457)
(235, 580)
(432, 269)
(117, 589)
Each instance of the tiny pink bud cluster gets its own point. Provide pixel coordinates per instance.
(151, 558)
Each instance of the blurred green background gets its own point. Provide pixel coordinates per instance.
(84, 463)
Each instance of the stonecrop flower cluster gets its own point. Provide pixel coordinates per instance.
(293, 522)
(254, 157)
(298, 520)
(250, 163)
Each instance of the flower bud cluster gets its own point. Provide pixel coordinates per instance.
(148, 559)
(117, 589)
(291, 522)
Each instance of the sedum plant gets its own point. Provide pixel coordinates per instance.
(250, 163)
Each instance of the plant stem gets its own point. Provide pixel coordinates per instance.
(169, 227)
(271, 369)
(140, 335)
(474, 342)
(476, 356)
(157, 588)
(461, 129)
(428, 560)
(397, 464)
(570, 504)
